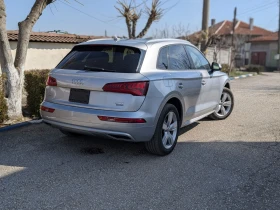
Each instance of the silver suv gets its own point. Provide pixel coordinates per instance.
(135, 90)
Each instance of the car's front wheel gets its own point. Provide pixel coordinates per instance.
(225, 106)
(166, 134)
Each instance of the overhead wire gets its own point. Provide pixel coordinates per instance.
(257, 6)
(259, 9)
(89, 15)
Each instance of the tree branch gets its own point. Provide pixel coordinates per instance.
(6, 58)
(125, 11)
(154, 13)
(5, 51)
(25, 28)
(135, 17)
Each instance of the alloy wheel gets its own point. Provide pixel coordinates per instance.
(224, 105)
(169, 130)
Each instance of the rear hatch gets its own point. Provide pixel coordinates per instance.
(102, 77)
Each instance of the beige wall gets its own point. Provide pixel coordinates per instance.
(271, 50)
(43, 55)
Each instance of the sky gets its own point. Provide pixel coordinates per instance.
(93, 17)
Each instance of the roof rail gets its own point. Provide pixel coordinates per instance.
(92, 40)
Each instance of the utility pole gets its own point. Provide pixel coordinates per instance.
(233, 26)
(232, 38)
(205, 20)
(279, 40)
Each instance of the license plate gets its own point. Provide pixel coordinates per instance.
(79, 96)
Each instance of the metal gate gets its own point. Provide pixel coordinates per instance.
(258, 58)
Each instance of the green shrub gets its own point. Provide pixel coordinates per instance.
(254, 68)
(3, 105)
(225, 68)
(35, 83)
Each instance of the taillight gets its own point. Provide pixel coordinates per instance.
(122, 120)
(133, 88)
(51, 81)
(47, 109)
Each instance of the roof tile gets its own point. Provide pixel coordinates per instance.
(225, 28)
(53, 37)
(267, 38)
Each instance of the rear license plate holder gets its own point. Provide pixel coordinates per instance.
(79, 96)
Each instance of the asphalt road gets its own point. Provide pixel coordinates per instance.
(231, 164)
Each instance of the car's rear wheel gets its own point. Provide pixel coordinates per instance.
(166, 133)
(225, 106)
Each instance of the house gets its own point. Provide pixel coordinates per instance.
(222, 33)
(45, 50)
(263, 50)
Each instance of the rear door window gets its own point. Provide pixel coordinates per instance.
(178, 58)
(120, 59)
(162, 62)
(199, 61)
(173, 57)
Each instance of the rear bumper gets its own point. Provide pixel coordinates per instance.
(85, 121)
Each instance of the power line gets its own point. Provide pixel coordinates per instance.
(90, 15)
(259, 9)
(272, 19)
(257, 6)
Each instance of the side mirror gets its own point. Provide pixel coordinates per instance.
(216, 66)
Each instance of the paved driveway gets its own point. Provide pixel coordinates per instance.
(231, 164)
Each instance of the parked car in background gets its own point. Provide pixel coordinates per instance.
(135, 90)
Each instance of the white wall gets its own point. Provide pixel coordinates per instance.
(43, 55)
(223, 55)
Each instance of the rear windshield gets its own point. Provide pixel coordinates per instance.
(102, 58)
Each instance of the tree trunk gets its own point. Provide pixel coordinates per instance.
(25, 28)
(12, 87)
(14, 94)
(134, 23)
(146, 28)
(15, 71)
(128, 24)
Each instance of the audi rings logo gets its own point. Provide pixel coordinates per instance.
(77, 81)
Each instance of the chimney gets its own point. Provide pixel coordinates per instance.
(251, 24)
(213, 22)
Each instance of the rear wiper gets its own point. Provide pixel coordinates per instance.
(165, 66)
(93, 68)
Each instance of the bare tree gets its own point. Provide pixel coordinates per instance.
(131, 13)
(163, 32)
(202, 36)
(218, 45)
(125, 11)
(15, 70)
(210, 37)
(176, 31)
(180, 30)
(237, 50)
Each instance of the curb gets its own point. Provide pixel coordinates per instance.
(242, 76)
(19, 125)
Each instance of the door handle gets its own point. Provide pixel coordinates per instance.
(180, 86)
(203, 82)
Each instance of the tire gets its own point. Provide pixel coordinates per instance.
(223, 112)
(68, 133)
(166, 133)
